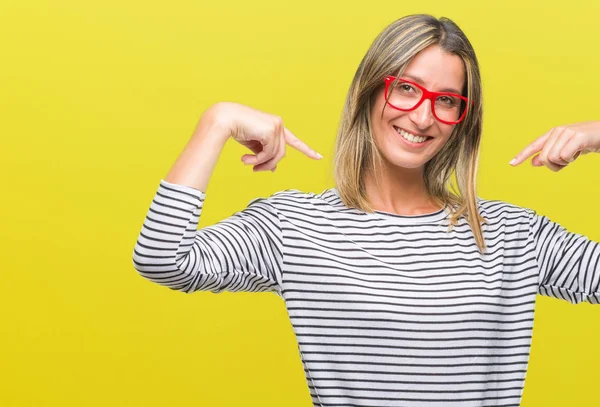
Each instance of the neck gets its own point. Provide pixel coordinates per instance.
(401, 191)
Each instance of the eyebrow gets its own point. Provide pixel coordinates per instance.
(420, 81)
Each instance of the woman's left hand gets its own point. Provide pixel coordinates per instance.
(561, 145)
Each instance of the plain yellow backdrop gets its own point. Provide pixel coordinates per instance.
(97, 101)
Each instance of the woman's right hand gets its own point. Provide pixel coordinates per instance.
(263, 133)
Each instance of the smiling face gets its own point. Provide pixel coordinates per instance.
(436, 70)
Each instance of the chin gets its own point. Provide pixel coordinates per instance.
(402, 161)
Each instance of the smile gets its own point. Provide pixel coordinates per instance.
(412, 140)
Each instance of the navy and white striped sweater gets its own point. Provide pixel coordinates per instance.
(388, 310)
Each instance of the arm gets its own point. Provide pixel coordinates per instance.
(568, 263)
(240, 253)
(195, 165)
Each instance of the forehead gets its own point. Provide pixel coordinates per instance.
(437, 69)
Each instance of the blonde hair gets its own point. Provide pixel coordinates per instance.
(355, 148)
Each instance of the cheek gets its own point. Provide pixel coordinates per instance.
(443, 138)
(446, 132)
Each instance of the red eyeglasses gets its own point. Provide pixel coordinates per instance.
(448, 108)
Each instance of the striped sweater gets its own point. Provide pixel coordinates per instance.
(388, 310)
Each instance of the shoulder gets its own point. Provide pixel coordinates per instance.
(495, 209)
(295, 200)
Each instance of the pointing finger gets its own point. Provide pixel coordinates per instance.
(531, 149)
(299, 145)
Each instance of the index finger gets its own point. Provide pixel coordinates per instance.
(300, 145)
(533, 148)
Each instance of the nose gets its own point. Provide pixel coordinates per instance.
(422, 116)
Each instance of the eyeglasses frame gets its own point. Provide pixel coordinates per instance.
(427, 94)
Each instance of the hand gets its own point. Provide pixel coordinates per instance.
(562, 145)
(263, 133)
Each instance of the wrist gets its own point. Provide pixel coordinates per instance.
(212, 125)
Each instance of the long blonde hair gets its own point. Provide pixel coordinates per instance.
(355, 148)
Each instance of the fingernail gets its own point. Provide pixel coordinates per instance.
(511, 162)
(319, 156)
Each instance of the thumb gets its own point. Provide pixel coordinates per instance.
(536, 161)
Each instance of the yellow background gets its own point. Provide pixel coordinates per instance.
(97, 101)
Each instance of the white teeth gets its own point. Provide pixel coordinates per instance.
(410, 137)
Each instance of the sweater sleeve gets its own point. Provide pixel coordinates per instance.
(240, 253)
(568, 263)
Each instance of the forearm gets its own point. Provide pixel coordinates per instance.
(197, 161)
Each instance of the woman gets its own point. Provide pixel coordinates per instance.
(399, 291)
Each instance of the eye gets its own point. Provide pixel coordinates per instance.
(447, 100)
(405, 87)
